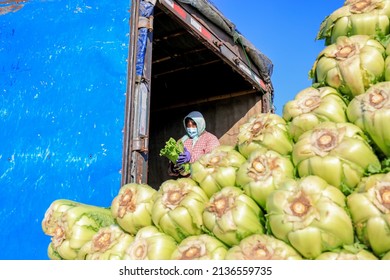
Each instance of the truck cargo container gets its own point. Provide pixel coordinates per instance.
(91, 90)
(185, 56)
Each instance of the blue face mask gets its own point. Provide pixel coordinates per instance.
(192, 132)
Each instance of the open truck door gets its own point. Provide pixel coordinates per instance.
(184, 56)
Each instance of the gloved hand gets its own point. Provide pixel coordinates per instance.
(184, 157)
(174, 169)
(177, 168)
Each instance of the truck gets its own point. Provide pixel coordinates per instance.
(185, 56)
(92, 90)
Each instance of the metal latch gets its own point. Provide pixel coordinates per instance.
(144, 22)
(140, 144)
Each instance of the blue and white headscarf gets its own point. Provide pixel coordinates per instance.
(198, 118)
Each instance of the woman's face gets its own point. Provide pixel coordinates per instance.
(192, 130)
(191, 124)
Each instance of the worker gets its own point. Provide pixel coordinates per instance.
(197, 142)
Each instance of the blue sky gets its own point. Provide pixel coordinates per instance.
(285, 32)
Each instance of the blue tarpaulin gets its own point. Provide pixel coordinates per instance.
(62, 92)
(145, 11)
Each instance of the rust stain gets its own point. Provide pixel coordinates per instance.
(8, 6)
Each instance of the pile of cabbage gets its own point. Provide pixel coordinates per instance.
(311, 184)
